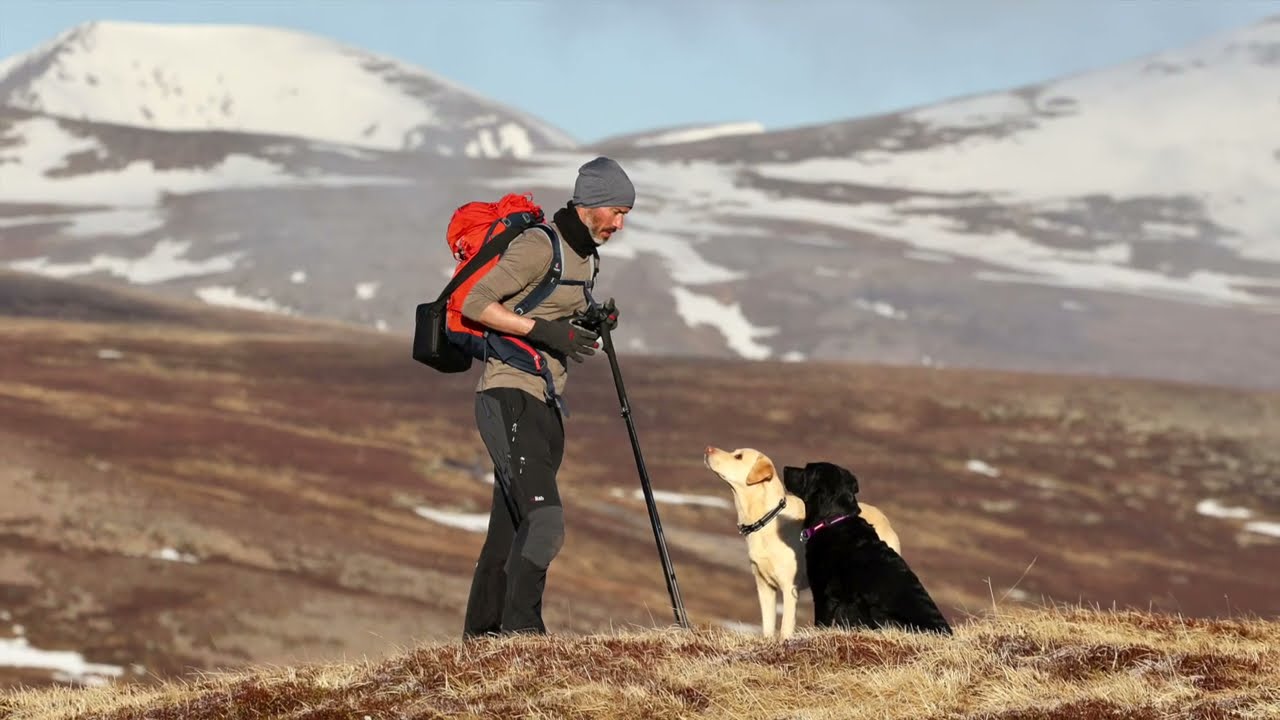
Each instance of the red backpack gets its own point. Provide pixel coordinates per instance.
(477, 234)
(471, 227)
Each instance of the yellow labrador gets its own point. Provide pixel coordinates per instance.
(771, 520)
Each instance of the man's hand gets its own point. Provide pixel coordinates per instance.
(564, 337)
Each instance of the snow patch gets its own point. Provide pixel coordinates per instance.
(684, 263)
(1213, 508)
(109, 354)
(118, 221)
(471, 522)
(228, 296)
(981, 468)
(998, 506)
(696, 134)
(173, 555)
(43, 145)
(127, 222)
(1166, 230)
(510, 138)
(515, 139)
(881, 308)
(675, 498)
(728, 318)
(68, 666)
(163, 263)
(1263, 528)
(136, 188)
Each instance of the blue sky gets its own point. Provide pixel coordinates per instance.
(596, 68)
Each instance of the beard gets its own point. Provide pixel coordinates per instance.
(600, 230)
(600, 233)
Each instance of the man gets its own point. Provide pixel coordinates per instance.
(518, 413)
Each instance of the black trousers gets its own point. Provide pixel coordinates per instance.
(525, 439)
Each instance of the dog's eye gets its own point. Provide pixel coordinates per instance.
(737, 456)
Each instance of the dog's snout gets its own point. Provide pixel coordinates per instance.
(710, 449)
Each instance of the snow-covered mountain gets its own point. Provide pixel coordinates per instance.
(1119, 221)
(1107, 180)
(679, 135)
(263, 81)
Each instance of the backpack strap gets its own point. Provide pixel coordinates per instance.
(549, 281)
(587, 285)
(594, 270)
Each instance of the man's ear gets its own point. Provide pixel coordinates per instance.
(761, 471)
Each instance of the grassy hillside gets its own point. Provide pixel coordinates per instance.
(1025, 664)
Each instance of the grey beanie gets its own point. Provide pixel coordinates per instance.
(602, 183)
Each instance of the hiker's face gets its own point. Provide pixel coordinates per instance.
(603, 222)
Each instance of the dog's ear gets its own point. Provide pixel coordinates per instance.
(850, 480)
(761, 471)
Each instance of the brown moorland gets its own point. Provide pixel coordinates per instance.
(187, 488)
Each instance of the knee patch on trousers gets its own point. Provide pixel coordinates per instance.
(545, 536)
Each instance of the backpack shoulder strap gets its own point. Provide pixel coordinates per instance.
(589, 283)
(549, 281)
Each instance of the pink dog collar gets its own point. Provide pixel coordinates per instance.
(809, 532)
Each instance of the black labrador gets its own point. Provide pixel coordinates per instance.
(856, 579)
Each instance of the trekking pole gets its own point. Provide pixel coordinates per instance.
(677, 604)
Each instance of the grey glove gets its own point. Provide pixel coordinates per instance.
(563, 337)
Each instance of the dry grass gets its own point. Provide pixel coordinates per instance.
(1060, 663)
